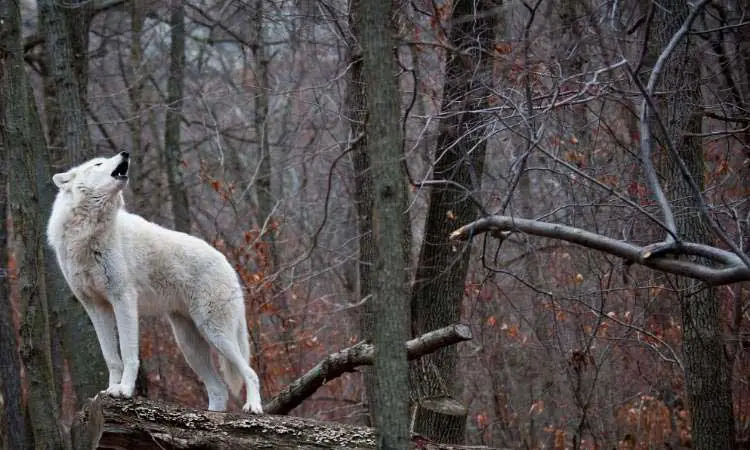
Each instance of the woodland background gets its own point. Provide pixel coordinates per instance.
(247, 125)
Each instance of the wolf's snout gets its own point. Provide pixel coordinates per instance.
(121, 171)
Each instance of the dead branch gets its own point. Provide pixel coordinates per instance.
(731, 268)
(360, 354)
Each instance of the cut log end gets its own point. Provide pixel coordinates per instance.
(463, 332)
(457, 235)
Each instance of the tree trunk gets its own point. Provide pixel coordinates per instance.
(172, 135)
(389, 295)
(459, 157)
(65, 79)
(11, 410)
(356, 113)
(263, 186)
(69, 144)
(135, 91)
(707, 371)
(22, 137)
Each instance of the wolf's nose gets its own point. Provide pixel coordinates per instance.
(125, 155)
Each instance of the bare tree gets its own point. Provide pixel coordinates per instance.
(23, 138)
(12, 426)
(674, 121)
(707, 370)
(458, 164)
(356, 144)
(173, 120)
(69, 143)
(389, 294)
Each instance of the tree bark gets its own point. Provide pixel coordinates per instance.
(12, 424)
(356, 114)
(172, 135)
(135, 92)
(69, 143)
(459, 158)
(263, 187)
(707, 370)
(389, 295)
(66, 43)
(22, 137)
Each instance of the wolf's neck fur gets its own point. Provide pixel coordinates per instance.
(90, 221)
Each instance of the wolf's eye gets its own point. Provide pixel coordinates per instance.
(98, 164)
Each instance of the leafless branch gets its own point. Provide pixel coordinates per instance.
(732, 267)
(359, 354)
(645, 125)
(645, 130)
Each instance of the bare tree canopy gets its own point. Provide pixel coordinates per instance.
(569, 180)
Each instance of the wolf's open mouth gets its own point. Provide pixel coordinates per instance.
(121, 171)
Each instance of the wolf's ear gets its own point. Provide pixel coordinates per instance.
(61, 179)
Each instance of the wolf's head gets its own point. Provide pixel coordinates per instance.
(99, 177)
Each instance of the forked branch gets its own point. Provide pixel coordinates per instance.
(730, 268)
(645, 125)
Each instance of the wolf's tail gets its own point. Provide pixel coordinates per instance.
(232, 375)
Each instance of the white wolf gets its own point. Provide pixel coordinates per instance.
(119, 265)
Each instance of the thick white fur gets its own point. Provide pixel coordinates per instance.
(119, 266)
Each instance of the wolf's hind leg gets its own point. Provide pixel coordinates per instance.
(227, 345)
(197, 353)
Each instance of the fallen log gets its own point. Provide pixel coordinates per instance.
(140, 424)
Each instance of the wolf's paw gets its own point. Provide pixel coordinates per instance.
(253, 406)
(120, 390)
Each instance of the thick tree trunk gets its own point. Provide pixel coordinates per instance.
(459, 157)
(22, 137)
(65, 81)
(172, 135)
(11, 410)
(356, 114)
(389, 294)
(69, 144)
(707, 371)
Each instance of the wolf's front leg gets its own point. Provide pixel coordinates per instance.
(103, 318)
(126, 315)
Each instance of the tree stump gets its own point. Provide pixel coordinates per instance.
(444, 416)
